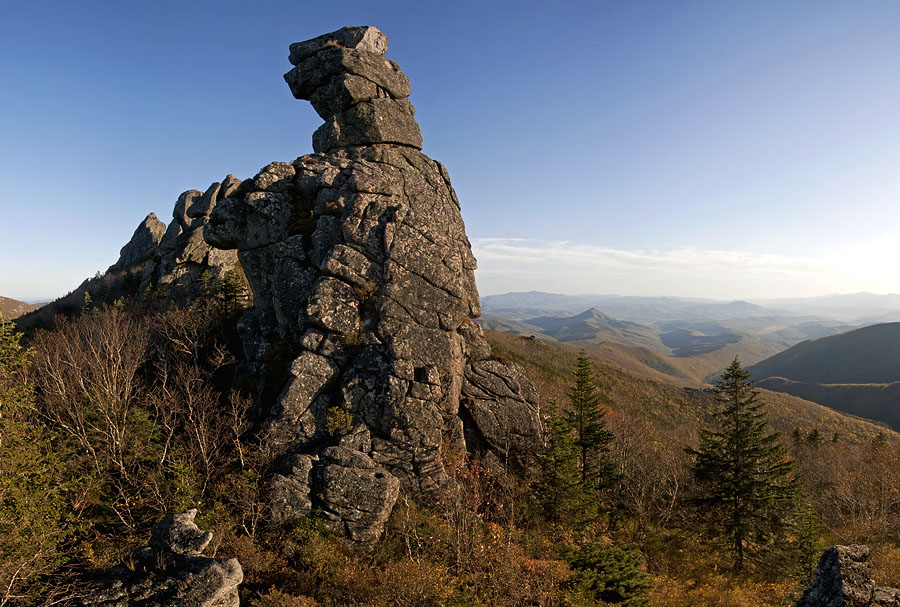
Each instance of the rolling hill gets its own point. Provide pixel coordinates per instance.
(694, 354)
(12, 308)
(867, 355)
(670, 404)
(856, 372)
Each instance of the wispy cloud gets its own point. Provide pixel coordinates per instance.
(507, 264)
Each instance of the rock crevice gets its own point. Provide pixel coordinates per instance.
(361, 269)
(371, 373)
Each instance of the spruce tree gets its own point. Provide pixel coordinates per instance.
(560, 491)
(588, 422)
(746, 481)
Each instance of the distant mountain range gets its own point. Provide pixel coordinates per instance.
(830, 350)
(695, 337)
(519, 306)
(856, 309)
(12, 308)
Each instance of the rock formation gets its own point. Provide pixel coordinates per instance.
(170, 571)
(364, 290)
(842, 579)
(143, 243)
(372, 373)
(182, 257)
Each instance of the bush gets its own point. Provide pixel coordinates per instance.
(613, 573)
(274, 598)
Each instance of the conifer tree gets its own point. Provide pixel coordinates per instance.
(592, 437)
(746, 481)
(560, 490)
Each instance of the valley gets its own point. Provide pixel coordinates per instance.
(825, 352)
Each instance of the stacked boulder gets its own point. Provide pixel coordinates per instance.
(170, 571)
(361, 95)
(364, 290)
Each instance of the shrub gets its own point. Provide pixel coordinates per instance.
(613, 573)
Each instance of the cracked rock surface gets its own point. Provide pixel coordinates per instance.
(364, 290)
(143, 243)
(371, 372)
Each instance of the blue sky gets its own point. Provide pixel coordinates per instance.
(714, 149)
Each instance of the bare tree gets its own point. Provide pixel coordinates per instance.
(87, 373)
(653, 470)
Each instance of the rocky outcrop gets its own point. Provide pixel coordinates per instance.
(182, 257)
(364, 290)
(143, 243)
(169, 571)
(842, 579)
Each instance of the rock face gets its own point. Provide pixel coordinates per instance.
(364, 291)
(181, 257)
(842, 580)
(170, 572)
(143, 243)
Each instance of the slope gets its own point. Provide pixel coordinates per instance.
(873, 401)
(13, 308)
(668, 404)
(862, 356)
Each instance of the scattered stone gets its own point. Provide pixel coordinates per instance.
(503, 407)
(290, 492)
(357, 495)
(178, 533)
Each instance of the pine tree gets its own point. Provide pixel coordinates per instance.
(592, 437)
(560, 490)
(746, 480)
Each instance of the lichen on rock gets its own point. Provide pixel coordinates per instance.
(363, 290)
(360, 267)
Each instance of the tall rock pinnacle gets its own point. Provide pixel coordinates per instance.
(361, 95)
(364, 290)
